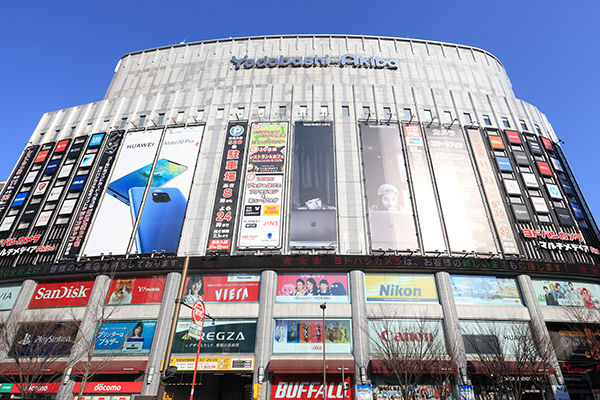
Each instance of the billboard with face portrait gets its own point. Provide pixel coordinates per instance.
(312, 287)
(133, 290)
(125, 338)
(566, 293)
(219, 288)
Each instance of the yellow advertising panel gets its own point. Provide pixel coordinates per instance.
(400, 288)
(214, 363)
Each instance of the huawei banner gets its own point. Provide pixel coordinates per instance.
(264, 186)
(494, 198)
(391, 221)
(464, 213)
(429, 218)
(314, 220)
(225, 207)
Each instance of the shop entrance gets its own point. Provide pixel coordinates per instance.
(211, 386)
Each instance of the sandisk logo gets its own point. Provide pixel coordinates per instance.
(106, 388)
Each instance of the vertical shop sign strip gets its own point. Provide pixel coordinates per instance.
(313, 223)
(462, 206)
(15, 180)
(390, 210)
(88, 206)
(494, 198)
(161, 220)
(429, 218)
(264, 186)
(225, 207)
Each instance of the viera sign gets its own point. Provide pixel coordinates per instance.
(347, 60)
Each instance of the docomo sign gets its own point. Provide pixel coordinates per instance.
(346, 60)
(309, 387)
(110, 387)
(198, 312)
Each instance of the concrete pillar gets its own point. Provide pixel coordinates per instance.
(86, 330)
(14, 316)
(456, 346)
(360, 334)
(538, 326)
(264, 330)
(161, 335)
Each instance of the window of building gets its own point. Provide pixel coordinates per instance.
(240, 112)
(72, 130)
(428, 116)
(366, 111)
(220, 112)
(303, 111)
(505, 122)
(161, 118)
(467, 118)
(142, 120)
(324, 111)
(105, 125)
(123, 123)
(407, 113)
(387, 112)
(538, 130)
(180, 115)
(282, 111)
(523, 124)
(200, 115)
(487, 120)
(261, 112)
(88, 128)
(447, 116)
(345, 111)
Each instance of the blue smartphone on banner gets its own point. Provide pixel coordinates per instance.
(161, 220)
(165, 171)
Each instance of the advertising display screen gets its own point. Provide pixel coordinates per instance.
(496, 142)
(37, 339)
(560, 292)
(400, 288)
(293, 336)
(62, 146)
(429, 218)
(574, 345)
(547, 144)
(564, 217)
(392, 225)
(577, 210)
(264, 186)
(225, 207)
(557, 164)
(554, 191)
(310, 387)
(61, 294)
(530, 180)
(8, 295)
(504, 164)
(136, 290)
(224, 337)
(521, 158)
(513, 137)
(310, 288)
(539, 204)
(534, 146)
(494, 337)
(485, 290)
(313, 223)
(411, 335)
(512, 186)
(222, 288)
(464, 214)
(544, 168)
(120, 338)
(520, 212)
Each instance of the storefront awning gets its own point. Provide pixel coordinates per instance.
(295, 366)
(438, 367)
(511, 368)
(115, 366)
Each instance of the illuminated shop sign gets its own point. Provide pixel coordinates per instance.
(214, 363)
(349, 60)
(554, 244)
(400, 288)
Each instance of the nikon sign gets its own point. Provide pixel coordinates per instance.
(347, 60)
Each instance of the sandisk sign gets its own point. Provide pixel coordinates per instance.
(310, 387)
(61, 294)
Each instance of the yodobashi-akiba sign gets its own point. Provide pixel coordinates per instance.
(347, 60)
(309, 387)
(554, 241)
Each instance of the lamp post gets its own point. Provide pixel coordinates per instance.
(323, 307)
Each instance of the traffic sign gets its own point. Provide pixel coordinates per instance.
(198, 312)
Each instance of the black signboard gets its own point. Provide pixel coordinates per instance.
(564, 217)
(40, 340)
(534, 146)
(221, 337)
(520, 212)
(11, 186)
(521, 158)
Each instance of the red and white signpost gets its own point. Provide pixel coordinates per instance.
(198, 314)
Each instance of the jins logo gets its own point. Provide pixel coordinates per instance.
(71, 292)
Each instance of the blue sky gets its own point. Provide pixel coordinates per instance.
(62, 53)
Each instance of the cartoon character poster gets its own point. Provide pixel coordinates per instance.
(566, 293)
(307, 336)
(312, 287)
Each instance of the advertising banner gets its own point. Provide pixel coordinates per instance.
(310, 387)
(494, 337)
(38, 340)
(573, 345)
(213, 363)
(225, 207)
(61, 294)
(464, 213)
(493, 195)
(427, 210)
(219, 288)
(307, 288)
(400, 288)
(405, 336)
(120, 338)
(164, 205)
(513, 137)
(485, 290)
(112, 226)
(313, 223)
(110, 387)
(14, 182)
(143, 290)
(391, 221)
(560, 292)
(224, 337)
(389, 388)
(8, 295)
(306, 336)
(264, 186)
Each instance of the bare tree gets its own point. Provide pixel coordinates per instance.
(509, 356)
(36, 352)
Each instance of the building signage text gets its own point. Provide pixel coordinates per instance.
(349, 60)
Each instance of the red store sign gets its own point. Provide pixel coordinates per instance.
(110, 387)
(61, 294)
(310, 387)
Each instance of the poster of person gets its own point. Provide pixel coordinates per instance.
(566, 293)
(131, 290)
(307, 336)
(221, 288)
(485, 290)
(121, 337)
(309, 287)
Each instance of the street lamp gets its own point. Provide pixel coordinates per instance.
(323, 307)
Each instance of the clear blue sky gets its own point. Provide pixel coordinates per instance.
(62, 53)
